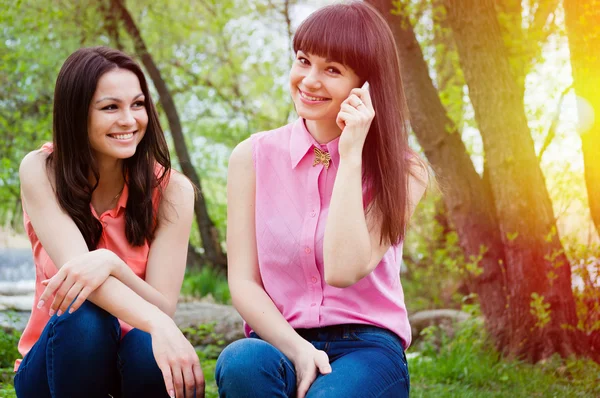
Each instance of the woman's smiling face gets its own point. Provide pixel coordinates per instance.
(117, 118)
(319, 86)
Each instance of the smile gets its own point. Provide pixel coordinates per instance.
(310, 98)
(122, 136)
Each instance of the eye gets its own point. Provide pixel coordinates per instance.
(303, 60)
(336, 71)
(138, 104)
(110, 107)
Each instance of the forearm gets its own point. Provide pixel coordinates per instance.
(347, 245)
(122, 302)
(263, 316)
(123, 273)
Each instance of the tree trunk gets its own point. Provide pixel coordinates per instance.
(536, 265)
(208, 232)
(583, 27)
(469, 206)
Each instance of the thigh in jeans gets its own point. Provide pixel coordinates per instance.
(370, 364)
(140, 375)
(75, 356)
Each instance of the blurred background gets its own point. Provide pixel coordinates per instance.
(501, 262)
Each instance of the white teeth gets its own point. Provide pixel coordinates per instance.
(303, 94)
(122, 136)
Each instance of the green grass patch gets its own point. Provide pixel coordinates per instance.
(467, 365)
(206, 282)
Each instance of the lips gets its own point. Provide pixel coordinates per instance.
(122, 136)
(312, 98)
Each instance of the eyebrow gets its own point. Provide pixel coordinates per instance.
(117, 99)
(327, 60)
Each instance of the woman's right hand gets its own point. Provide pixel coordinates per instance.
(177, 360)
(307, 362)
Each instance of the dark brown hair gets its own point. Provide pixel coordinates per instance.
(356, 35)
(72, 160)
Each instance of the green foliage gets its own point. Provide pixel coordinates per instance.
(8, 347)
(540, 310)
(206, 282)
(435, 262)
(467, 365)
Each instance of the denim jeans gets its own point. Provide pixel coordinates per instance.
(82, 355)
(366, 361)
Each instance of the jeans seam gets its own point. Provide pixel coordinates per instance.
(393, 385)
(50, 360)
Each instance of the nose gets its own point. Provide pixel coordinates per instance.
(126, 118)
(312, 79)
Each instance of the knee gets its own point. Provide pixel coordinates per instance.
(244, 359)
(89, 322)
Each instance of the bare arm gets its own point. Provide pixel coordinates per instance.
(168, 252)
(247, 292)
(352, 247)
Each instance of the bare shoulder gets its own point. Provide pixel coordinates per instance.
(418, 171)
(33, 170)
(179, 188)
(241, 156)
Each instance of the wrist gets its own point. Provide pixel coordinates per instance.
(116, 265)
(299, 348)
(158, 320)
(352, 158)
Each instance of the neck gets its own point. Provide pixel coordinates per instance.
(111, 180)
(323, 131)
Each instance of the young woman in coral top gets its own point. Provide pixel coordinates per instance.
(317, 214)
(109, 223)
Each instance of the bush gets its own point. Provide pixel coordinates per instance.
(204, 282)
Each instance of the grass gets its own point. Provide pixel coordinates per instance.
(206, 282)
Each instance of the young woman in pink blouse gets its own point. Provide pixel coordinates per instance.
(109, 223)
(317, 212)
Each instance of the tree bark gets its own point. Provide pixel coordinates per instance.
(583, 27)
(469, 206)
(535, 261)
(208, 231)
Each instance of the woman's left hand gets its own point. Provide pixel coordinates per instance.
(354, 118)
(78, 278)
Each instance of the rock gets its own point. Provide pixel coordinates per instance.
(18, 288)
(228, 323)
(17, 303)
(445, 319)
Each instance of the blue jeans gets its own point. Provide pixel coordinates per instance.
(366, 361)
(82, 355)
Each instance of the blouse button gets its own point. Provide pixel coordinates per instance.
(314, 279)
(313, 213)
(313, 305)
(307, 250)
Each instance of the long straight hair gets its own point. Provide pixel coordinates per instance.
(356, 35)
(72, 161)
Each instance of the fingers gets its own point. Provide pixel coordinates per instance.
(69, 297)
(322, 362)
(168, 378)
(303, 386)
(364, 95)
(200, 384)
(177, 381)
(83, 295)
(60, 295)
(189, 381)
(53, 284)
